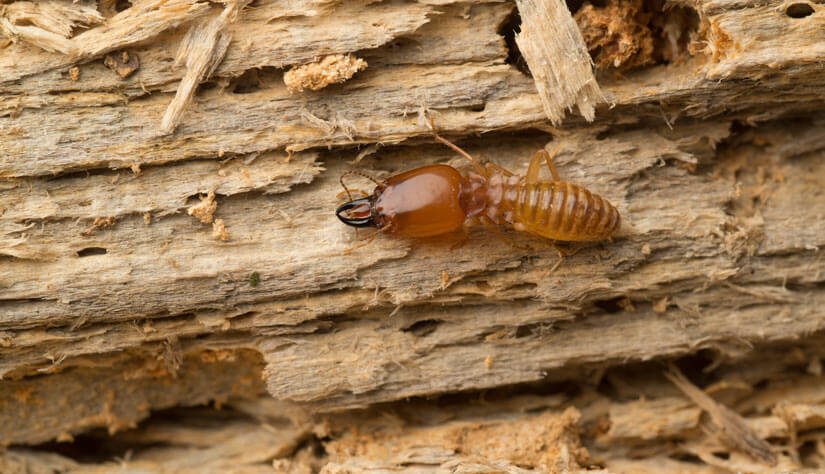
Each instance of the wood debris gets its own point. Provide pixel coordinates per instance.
(48, 24)
(333, 69)
(617, 33)
(56, 17)
(661, 305)
(122, 62)
(205, 209)
(219, 230)
(99, 223)
(202, 50)
(732, 429)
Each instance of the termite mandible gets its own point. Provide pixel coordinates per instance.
(436, 199)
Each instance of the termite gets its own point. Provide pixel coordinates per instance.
(437, 199)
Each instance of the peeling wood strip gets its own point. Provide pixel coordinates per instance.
(554, 49)
(202, 49)
(272, 118)
(46, 40)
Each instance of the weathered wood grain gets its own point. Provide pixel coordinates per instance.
(717, 242)
(109, 289)
(652, 431)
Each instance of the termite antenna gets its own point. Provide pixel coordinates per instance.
(476, 165)
(358, 173)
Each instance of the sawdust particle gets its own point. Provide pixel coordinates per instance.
(122, 62)
(74, 73)
(497, 335)
(204, 210)
(99, 223)
(219, 230)
(814, 367)
(719, 44)
(148, 328)
(545, 442)
(549, 442)
(646, 249)
(65, 437)
(333, 69)
(445, 278)
(626, 304)
(135, 168)
(661, 305)
(488, 362)
(147, 218)
(617, 34)
(626, 34)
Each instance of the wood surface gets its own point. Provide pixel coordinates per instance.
(177, 295)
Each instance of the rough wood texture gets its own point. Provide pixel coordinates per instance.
(143, 272)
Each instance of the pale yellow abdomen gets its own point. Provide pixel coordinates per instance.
(562, 211)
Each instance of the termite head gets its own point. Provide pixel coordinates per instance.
(357, 213)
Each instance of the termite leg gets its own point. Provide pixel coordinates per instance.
(500, 169)
(566, 253)
(476, 165)
(369, 240)
(561, 258)
(357, 173)
(535, 165)
(358, 191)
(562, 255)
(492, 226)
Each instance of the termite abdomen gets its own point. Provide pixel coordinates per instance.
(562, 211)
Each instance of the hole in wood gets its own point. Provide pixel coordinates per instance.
(612, 305)
(423, 328)
(799, 10)
(686, 458)
(88, 251)
(121, 5)
(695, 366)
(478, 107)
(576, 5)
(247, 82)
(509, 29)
(524, 331)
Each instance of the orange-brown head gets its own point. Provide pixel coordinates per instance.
(422, 202)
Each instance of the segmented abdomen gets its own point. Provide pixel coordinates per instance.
(563, 211)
